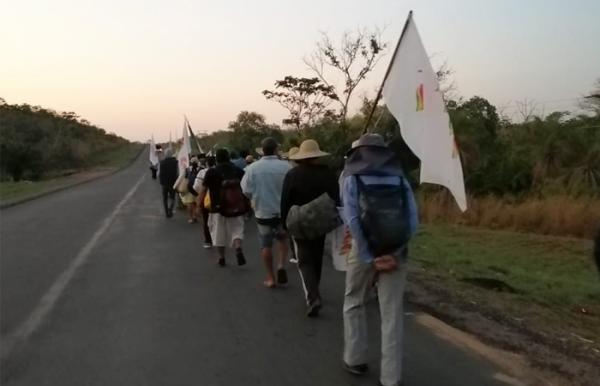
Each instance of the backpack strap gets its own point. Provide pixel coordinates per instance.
(359, 183)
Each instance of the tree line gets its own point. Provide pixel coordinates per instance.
(558, 153)
(36, 142)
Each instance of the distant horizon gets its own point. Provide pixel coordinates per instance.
(136, 68)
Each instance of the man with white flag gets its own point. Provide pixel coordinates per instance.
(379, 207)
(412, 94)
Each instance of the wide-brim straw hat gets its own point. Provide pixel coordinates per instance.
(309, 149)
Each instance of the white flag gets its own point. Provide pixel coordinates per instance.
(153, 155)
(412, 95)
(183, 156)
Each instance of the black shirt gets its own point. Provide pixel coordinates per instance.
(214, 179)
(306, 182)
(169, 169)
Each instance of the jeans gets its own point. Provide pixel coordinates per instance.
(168, 193)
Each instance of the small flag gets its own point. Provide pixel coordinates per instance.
(183, 156)
(424, 122)
(153, 155)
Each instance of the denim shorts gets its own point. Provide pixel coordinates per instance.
(269, 230)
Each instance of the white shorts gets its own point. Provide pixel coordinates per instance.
(223, 230)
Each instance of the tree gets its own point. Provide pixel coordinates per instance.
(357, 55)
(592, 102)
(35, 141)
(306, 99)
(249, 129)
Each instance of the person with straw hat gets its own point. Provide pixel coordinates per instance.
(303, 184)
(293, 150)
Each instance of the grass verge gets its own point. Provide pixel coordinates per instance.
(545, 288)
(120, 157)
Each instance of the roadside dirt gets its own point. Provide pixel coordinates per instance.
(565, 360)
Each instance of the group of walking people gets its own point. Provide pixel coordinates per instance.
(296, 202)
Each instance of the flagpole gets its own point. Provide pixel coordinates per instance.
(192, 133)
(387, 72)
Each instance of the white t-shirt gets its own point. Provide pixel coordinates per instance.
(199, 180)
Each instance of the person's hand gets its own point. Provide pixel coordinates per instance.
(385, 263)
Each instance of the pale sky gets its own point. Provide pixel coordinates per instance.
(134, 67)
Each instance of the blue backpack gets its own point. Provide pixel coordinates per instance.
(384, 216)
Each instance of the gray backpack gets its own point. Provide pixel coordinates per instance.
(313, 220)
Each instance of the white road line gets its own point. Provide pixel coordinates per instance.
(48, 301)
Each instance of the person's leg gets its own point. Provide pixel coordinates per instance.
(194, 211)
(306, 267)
(218, 234)
(319, 249)
(207, 238)
(171, 193)
(359, 278)
(235, 231)
(294, 258)
(165, 194)
(390, 288)
(190, 213)
(266, 235)
(283, 246)
(267, 256)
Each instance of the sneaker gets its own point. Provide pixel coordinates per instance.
(221, 261)
(207, 245)
(313, 309)
(357, 369)
(240, 257)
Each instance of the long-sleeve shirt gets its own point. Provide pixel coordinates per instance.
(304, 183)
(263, 183)
(352, 211)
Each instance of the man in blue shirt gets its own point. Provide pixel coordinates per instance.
(263, 184)
(375, 164)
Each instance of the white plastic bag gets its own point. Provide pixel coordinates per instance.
(341, 244)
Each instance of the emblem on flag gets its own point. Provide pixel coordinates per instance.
(420, 99)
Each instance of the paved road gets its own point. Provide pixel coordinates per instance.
(137, 301)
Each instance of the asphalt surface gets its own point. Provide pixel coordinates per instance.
(147, 305)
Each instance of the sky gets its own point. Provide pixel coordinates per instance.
(134, 67)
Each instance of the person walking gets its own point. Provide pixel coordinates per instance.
(237, 160)
(293, 150)
(188, 195)
(303, 184)
(168, 173)
(380, 210)
(204, 210)
(228, 206)
(263, 183)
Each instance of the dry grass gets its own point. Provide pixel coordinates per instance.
(559, 215)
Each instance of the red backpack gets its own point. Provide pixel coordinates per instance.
(233, 202)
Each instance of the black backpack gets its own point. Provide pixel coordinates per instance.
(384, 216)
